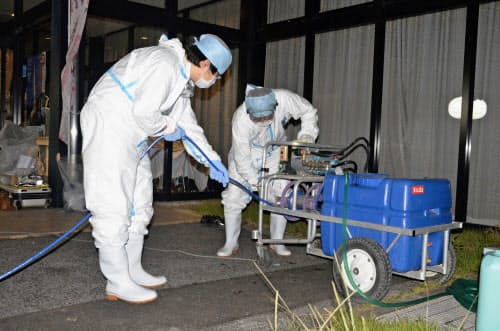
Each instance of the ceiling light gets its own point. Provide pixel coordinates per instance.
(479, 108)
(144, 38)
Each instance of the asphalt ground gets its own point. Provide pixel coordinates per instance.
(65, 289)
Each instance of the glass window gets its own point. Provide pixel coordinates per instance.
(336, 4)
(423, 71)
(44, 42)
(281, 10)
(224, 13)
(285, 64)
(8, 72)
(154, 3)
(343, 70)
(28, 4)
(6, 10)
(484, 177)
(184, 4)
(285, 69)
(96, 27)
(147, 36)
(115, 46)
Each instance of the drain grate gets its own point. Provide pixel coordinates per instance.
(445, 312)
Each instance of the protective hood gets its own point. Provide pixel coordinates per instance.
(260, 101)
(216, 51)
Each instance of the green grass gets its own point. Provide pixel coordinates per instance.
(250, 217)
(341, 317)
(209, 207)
(339, 323)
(469, 244)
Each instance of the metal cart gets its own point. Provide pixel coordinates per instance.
(369, 263)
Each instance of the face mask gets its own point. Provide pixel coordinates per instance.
(203, 83)
(264, 124)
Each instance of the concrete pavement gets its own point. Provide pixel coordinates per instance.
(65, 289)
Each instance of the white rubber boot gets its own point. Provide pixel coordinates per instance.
(134, 252)
(114, 265)
(278, 226)
(232, 224)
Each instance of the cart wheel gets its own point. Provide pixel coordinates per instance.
(316, 243)
(263, 256)
(452, 267)
(369, 266)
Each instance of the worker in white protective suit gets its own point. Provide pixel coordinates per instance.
(260, 119)
(146, 93)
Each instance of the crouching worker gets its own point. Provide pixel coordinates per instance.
(128, 104)
(260, 119)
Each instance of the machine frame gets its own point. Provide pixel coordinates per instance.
(313, 217)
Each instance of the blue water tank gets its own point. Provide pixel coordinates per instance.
(488, 307)
(398, 202)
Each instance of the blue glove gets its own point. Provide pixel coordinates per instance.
(218, 172)
(176, 135)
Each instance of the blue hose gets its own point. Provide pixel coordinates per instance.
(85, 218)
(46, 249)
(232, 180)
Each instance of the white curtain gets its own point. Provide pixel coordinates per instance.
(336, 4)
(281, 10)
(422, 73)
(224, 13)
(343, 68)
(285, 69)
(484, 179)
(214, 107)
(285, 64)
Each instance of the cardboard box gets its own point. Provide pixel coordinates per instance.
(8, 179)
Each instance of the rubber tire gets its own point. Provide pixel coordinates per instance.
(263, 257)
(380, 259)
(452, 267)
(316, 243)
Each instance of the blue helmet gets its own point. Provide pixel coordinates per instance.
(260, 102)
(216, 51)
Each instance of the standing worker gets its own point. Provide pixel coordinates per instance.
(260, 119)
(127, 105)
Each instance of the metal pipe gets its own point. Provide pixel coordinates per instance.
(73, 118)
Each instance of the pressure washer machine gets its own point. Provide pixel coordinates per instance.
(388, 225)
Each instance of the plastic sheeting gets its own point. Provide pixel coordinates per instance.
(18, 150)
(72, 176)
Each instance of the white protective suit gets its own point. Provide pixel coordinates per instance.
(123, 109)
(245, 159)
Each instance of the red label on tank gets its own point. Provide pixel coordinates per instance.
(417, 189)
